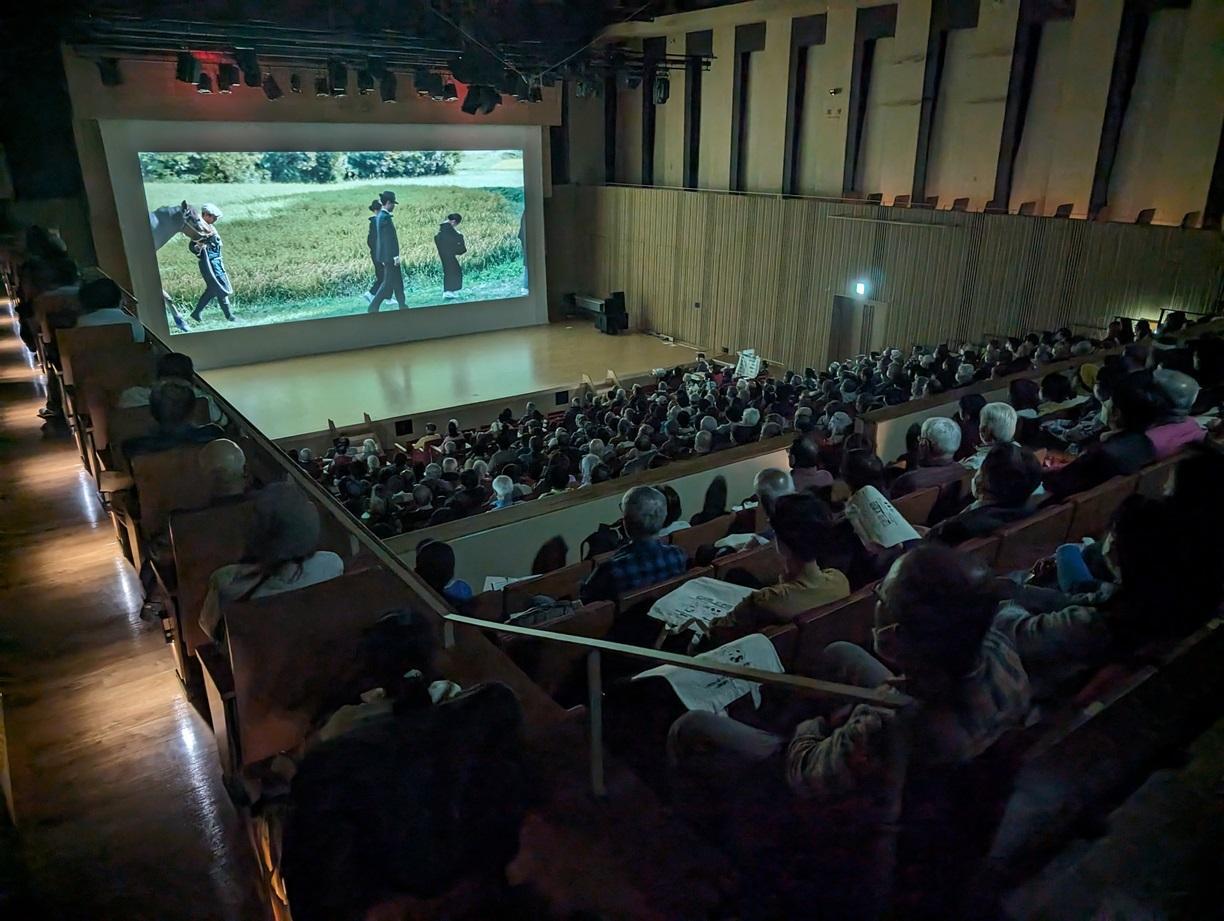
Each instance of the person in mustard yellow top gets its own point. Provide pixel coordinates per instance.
(798, 521)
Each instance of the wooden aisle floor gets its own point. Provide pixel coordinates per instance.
(296, 396)
(120, 809)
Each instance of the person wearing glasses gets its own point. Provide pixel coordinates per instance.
(964, 686)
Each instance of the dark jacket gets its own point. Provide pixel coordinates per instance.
(386, 244)
(976, 522)
(1120, 455)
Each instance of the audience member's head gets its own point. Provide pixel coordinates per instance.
(1180, 389)
(674, 507)
(174, 365)
(933, 611)
(1056, 388)
(100, 294)
(862, 467)
(435, 564)
(997, 424)
(644, 510)
(800, 522)
(223, 466)
(715, 501)
(171, 403)
(1137, 402)
(284, 527)
(1023, 393)
(1008, 477)
(941, 436)
(770, 485)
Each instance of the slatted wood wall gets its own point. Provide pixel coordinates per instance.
(765, 269)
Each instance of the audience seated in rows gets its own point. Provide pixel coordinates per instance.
(100, 302)
(1002, 487)
(171, 403)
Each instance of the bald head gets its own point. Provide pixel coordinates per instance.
(770, 485)
(223, 465)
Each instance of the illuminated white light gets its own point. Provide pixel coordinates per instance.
(860, 288)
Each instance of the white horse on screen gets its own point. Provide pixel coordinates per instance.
(168, 222)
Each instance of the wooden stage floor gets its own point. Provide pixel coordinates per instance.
(295, 396)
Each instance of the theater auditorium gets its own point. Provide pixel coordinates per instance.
(612, 461)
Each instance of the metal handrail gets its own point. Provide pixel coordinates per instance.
(427, 599)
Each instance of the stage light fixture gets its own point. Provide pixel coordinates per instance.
(490, 100)
(337, 79)
(386, 87)
(450, 93)
(662, 90)
(420, 80)
(204, 85)
(537, 94)
(321, 87)
(365, 82)
(227, 76)
(248, 63)
(187, 68)
(625, 80)
(108, 71)
(295, 83)
(272, 89)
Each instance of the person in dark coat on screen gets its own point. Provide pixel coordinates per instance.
(372, 244)
(387, 255)
(450, 245)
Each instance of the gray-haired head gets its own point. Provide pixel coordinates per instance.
(943, 435)
(703, 443)
(644, 509)
(997, 423)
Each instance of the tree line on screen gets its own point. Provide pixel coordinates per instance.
(320, 167)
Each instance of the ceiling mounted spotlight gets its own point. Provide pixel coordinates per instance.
(227, 77)
(386, 87)
(204, 85)
(365, 82)
(450, 93)
(248, 63)
(272, 89)
(337, 78)
(481, 100)
(420, 80)
(662, 89)
(321, 87)
(537, 94)
(186, 68)
(295, 83)
(626, 80)
(108, 71)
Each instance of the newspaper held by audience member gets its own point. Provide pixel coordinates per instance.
(876, 520)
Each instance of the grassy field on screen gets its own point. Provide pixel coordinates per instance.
(297, 250)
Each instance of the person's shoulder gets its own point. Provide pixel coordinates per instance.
(325, 561)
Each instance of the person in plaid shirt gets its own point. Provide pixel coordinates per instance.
(644, 560)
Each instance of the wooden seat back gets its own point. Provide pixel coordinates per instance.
(785, 639)
(112, 372)
(290, 653)
(916, 507)
(133, 422)
(849, 620)
(651, 593)
(1025, 542)
(1155, 479)
(166, 482)
(204, 540)
(560, 585)
(690, 540)
(88, 346)
(982, 550)
(952, 496)
(764, 563)
(1094, 508)
(553, 665)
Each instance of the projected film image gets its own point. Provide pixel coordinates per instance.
(257, 238)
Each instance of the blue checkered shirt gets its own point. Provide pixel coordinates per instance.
(636, 565)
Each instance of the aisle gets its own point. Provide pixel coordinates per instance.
(119, 803)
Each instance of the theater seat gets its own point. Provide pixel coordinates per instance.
(1095, 508)
(1027, 541)
(916, 507)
